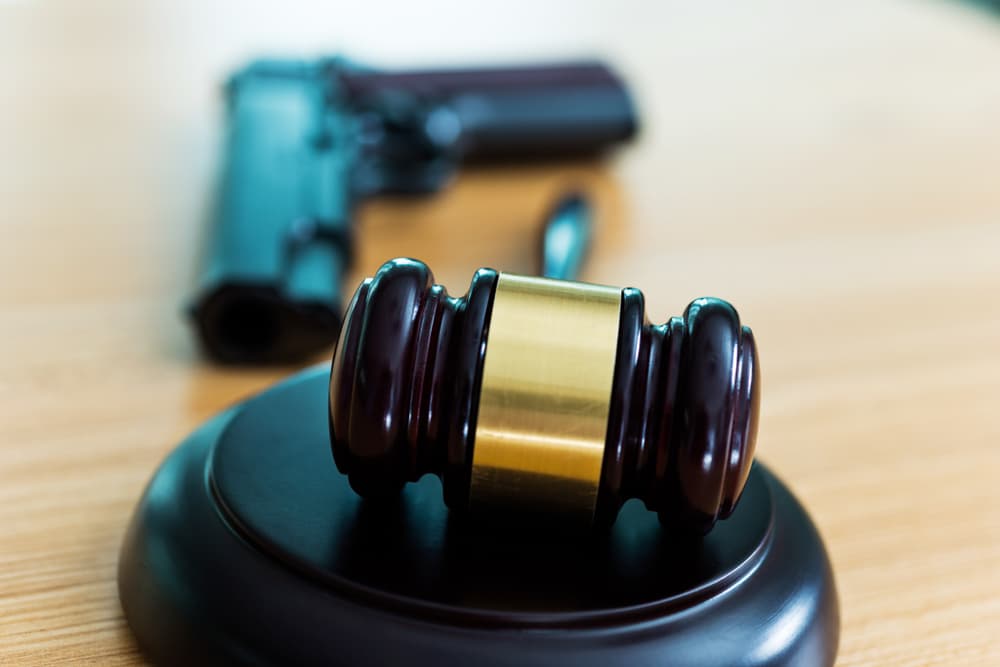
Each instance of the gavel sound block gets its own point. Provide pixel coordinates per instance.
(249, 547)
(547, 395)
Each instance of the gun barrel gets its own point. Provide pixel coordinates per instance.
(270, 284)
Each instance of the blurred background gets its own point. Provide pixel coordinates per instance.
(832, 168)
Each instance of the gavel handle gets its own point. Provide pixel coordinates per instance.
(566, 235)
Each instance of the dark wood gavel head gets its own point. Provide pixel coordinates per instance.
(544, 395)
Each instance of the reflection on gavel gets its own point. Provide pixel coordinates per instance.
(546, 395)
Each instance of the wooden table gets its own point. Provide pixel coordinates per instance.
(832, 169)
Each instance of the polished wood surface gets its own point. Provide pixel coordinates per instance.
(832, 169)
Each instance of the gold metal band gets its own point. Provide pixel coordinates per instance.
(546, 391)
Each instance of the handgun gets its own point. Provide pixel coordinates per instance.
(307, 141)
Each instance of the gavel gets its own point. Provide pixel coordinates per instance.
(544, 396)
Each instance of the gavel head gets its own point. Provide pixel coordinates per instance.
(544, 395)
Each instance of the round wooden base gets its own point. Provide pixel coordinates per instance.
(249, 547)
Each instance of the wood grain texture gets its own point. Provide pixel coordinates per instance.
(831, 168)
